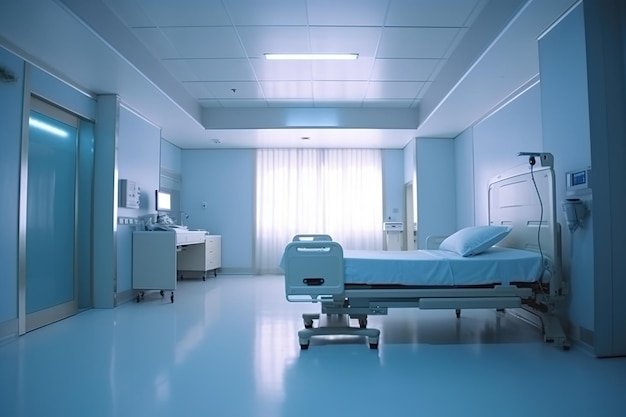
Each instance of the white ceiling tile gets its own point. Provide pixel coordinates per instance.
(243, 90)
(433, 13)
(199, 90)
(347, 12)
(267, 12)
(358, 70)
(237, 69)
(281, 70)
(403, 69)
(287, 89)
(181, 70)
(361, 40)
(156, 42)
(416, 42)
(130, 12)
(393, 89)
(185, 12)
(204, 42)
(339, 90)
(259, 40)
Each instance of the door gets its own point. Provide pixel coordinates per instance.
(50, 241)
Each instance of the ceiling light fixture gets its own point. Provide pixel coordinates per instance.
(311, 57)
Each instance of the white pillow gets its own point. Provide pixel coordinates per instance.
(474, 240)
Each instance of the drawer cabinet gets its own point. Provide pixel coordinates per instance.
(194, 259)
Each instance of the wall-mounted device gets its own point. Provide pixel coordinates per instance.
(129, 194)
(163, 201)
(575, 211)
(577, 184)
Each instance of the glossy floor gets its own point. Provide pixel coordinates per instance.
(228, 347)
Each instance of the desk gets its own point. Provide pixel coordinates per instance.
(156, 256)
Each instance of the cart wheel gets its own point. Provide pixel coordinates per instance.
(215, 272)
(458, 313)
(304, 347)
(362, 323)
(373, 345)
(172, 297)
(161, 293)
(142, 294)
(203, 277)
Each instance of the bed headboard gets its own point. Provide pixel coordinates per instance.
(514, 201)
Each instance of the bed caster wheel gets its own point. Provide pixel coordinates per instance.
(308, 325)
(362, 323)
(373, 345)
(172, 297)
(138, 298)
(304, 346)
(162, 293)
(203, 277)
(458, 313)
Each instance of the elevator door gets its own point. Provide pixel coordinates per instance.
(50, 254)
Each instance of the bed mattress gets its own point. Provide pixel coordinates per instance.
(440, 267)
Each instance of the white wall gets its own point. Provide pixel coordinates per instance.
(139, 148)
(436, 188)
(497, 140)
(464, 162)
(564, 103)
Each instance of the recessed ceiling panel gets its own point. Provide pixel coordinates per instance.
(433, 13)
(237, 69)
(259, 40)
(403, 69)
(204, 42)
(358, 70)
(339, 90)
(360, 40)
(184, 12)
(281, 70)
(347, 12)
(267, 13)
(416, 42)
(301, 90)
(393, 89)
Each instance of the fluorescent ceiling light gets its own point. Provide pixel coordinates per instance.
(312, 57)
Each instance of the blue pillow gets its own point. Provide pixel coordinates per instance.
(473, 240)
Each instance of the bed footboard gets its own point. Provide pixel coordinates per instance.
(313, 270)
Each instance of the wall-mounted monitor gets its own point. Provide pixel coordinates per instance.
(163, 201)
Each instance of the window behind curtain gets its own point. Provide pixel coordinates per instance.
(332, 191)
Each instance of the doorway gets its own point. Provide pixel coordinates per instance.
(410, 220)
(48, 260)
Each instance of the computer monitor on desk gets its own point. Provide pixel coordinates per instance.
(163, 201)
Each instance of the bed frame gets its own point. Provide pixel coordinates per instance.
(314, 268)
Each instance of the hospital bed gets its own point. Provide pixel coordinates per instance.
(522, 271)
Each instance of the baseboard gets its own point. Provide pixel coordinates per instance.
(125, 296)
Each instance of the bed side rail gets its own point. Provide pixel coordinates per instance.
(313, 270)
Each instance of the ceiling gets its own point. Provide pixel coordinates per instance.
(196, 68)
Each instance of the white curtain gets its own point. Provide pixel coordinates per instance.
(331, 191)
